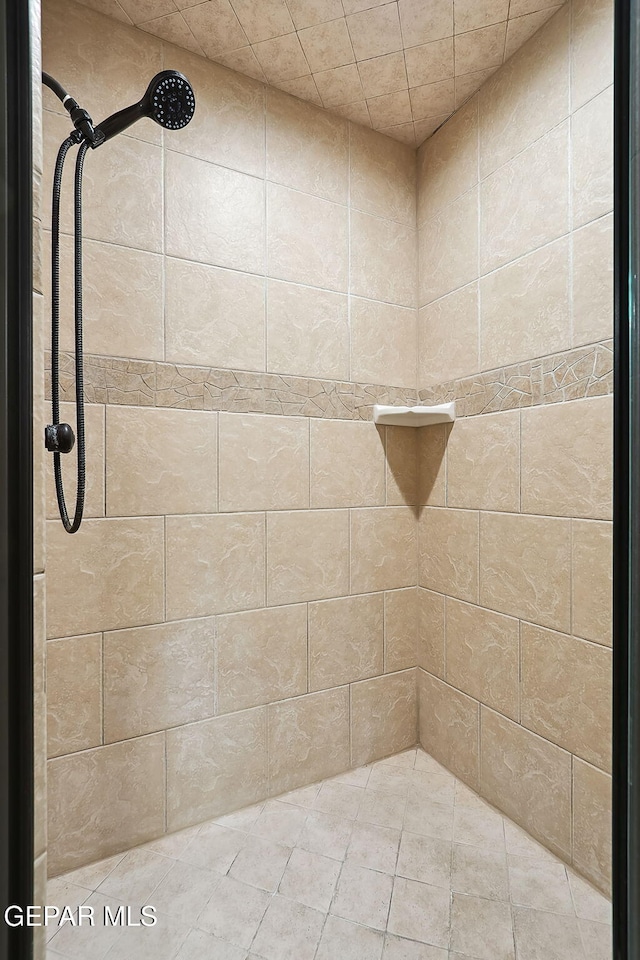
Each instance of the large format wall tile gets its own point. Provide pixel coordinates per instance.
(307, 148)
(591, 569)
(104, 70)
(592, 823)
(123, 194)
(432, 464)
(74, 694)
(591, 49)
(525, 307)
(449, 552)
(525, 203)
(383, 260)
(228, 125)
(122, 197)
(567, 459)
(157, 677)
(592, 159)
(308, 739)
(401, 452)
(214, 564)
(449, 727)
(448, 333)
(448, 162)
(216, 766)
(214, 316)
(528, 96)
(264, 462)
(483, 462)
(383, 549)
(261, 657)
(528, 778)
(592, 296)
(525, 567)
(566, 692)
(383, 176)
(383, 716)
(199, 195)
(383, 343)
(118, 283)
(115, 570)
(400, 629)
(482, 655)
(431, 632)
(104, 801)
(307, 331)
(448, 249)
(160, 461)
(358, 448)
(307, 239)
(346, 640)
(308, 555)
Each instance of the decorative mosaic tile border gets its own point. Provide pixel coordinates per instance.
(572, 375)
(575, 374)
(144, 383)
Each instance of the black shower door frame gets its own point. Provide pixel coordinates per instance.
(16, 477)
(626, 514)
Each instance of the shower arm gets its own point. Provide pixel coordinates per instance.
(82, 121)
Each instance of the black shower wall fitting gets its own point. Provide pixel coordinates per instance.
(170, 101)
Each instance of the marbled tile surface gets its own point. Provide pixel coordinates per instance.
(142, 383)
(397, 860)
(571, 375)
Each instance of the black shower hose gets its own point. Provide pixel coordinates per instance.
(69, 525)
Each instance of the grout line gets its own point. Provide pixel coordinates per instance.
(309, 462)
(480, 705)
(102, 687)
(164, 569)
(265, 534)
(520, 462)
(480, 274)
(384, 632)
(266, 234)
(218, 426)
(349, 246)
(572, 812)
(520, 671)
(571, 585)
(216, 672)
(166, 783)
(445, 605)
(308, 650)
(350, 711)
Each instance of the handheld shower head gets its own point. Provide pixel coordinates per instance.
(169, 100)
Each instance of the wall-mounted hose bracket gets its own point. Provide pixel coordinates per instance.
(59, 438)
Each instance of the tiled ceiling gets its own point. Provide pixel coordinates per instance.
(401, 67)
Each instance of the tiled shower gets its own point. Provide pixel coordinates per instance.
(269, 591)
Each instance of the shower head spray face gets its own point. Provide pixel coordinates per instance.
(169, 100)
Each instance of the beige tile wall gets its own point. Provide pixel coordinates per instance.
(242, 592)
(515, 196)
(514, 207)
(206, 652)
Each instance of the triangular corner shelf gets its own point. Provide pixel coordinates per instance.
(414, 416)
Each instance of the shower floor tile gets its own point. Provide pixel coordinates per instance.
(398, 860)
